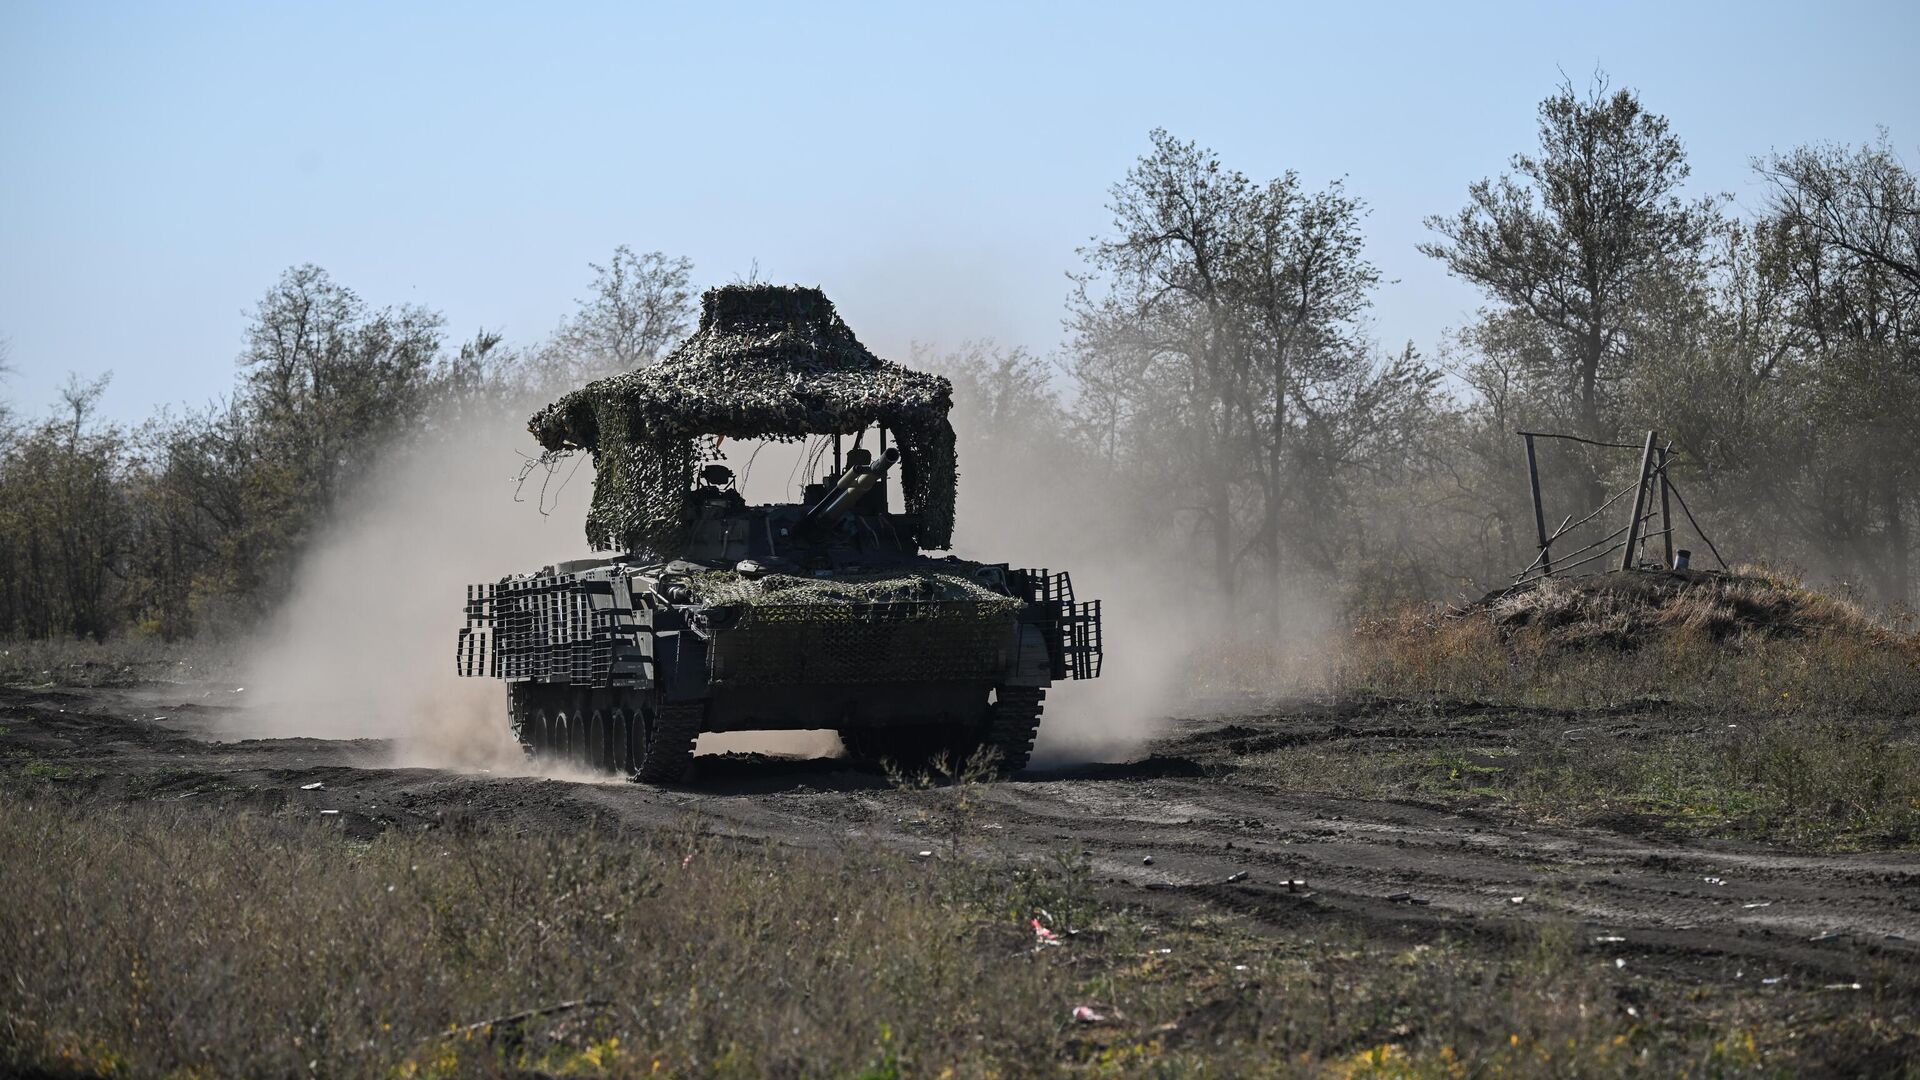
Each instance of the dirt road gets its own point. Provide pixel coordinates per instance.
(1183, 828)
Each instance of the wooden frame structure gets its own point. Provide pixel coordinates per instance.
(1654, 493)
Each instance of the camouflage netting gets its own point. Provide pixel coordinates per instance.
(773, 594)
(768, 362)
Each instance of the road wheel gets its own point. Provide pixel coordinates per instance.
(601, 746)
(539, 733)
(564, 736)
(626, 740)
(523, 716)
(582, 730)
(1012, 722)
(667, 734)
(858, 743)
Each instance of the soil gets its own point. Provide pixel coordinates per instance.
(1181, 828)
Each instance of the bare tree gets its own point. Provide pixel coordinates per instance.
(64, 522)
(6, 369)
(1573, 249)
(1302, 283)
(1218, 347)
(1859, 204)
(1842, 241)
(1155, 313)
(639, 305)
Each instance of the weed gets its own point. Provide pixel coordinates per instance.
(165, 941)
(950, 793)
(1814, 782)
(123, 661)
(42, 769)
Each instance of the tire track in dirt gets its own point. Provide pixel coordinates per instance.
(1216, 841)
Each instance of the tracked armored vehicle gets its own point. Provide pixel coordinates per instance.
(709, 614)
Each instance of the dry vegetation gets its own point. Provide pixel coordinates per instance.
(122, 661)
(160, 942)
(153, 940)
(1810, 783)
(1742, 704)
(1749, 639)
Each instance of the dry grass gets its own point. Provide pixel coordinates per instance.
(150, 941)
(159, 943)
(1741, 704)
(1805, 782)
(1753, 640)
(1624, 610)
(123, 661)
(156, 943)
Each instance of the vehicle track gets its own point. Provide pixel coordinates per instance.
(1178, 830)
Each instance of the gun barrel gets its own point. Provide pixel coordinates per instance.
(856, 483)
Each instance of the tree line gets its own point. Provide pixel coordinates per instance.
(196, 521)
(1218, 397)
(1218, 352)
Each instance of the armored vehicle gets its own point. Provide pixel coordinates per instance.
(709, 614)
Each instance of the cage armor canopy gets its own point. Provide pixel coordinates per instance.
(767, 362)
(823, 612)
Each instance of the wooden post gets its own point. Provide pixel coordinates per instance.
(1539, 517)
(1639, 505)
(1666, 514)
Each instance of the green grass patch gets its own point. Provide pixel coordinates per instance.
(42, 769)
(1833, 784)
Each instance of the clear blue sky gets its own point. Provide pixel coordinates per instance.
(932, 166)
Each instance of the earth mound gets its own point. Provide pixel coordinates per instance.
(1746, 638)
(1631, 609)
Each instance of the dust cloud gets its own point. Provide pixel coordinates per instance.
(363, 644)
(1017, 513)
(1022, 513)
(1171, 647)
